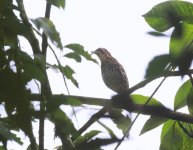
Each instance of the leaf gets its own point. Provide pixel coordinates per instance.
(120, 120)
(140, 99)
(74, 56)
(30, 67)
(158, 34)
(182, 94)
(85, 138)
(168, 14)
(62, 120)
(151, 123)
(111, 133)
(158, 65)
(68, 72)
(49, 30)
(190, 100)
(79, 50)
(181, 47)
(6, 133)
(57, 3)
(171, 138)
(56, 101)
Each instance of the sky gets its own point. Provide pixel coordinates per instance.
(118, 26)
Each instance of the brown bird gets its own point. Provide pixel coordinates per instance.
(113, 73)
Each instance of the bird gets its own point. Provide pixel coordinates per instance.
(113, 73)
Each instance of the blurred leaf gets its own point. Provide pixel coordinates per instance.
(140, 99)
(168, 14)
(121, 121)
(188, 143)
(61, 119)
(55, 102)
(85, 138)
(182, 94)
(171, 138)
(68, 72)
(111, 133)
(79, 50)
(57, 3)
(181, 47)
(190, 100)
(158, 34)
(158, 65)
(151, 123)
(6, 133)
(49, 30)
(74, 56)
(30, 67)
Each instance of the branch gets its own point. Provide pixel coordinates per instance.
(32, 38)
(148, 80)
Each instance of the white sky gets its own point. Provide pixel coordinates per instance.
(117, 25)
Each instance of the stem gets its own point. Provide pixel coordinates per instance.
(43, 101)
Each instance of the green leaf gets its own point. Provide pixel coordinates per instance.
(158, 65)
(79, 50)
(182, 94)
(49, 30)
(6, 133)
(68, 72)
(57, 3)
(168, 14)
(188, 143)
(74, 56)
(30, 67)
(62, 120)
(171, 138)
(111, 133)
(190, 100)
(181, 46)
(151, 123)
(56, 101)
(140, 99)
(85, 138)
(120, 120)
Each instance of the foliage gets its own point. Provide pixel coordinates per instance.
(18, 68)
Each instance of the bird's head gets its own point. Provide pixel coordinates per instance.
(102, 53)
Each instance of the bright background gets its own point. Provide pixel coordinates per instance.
(118, 26)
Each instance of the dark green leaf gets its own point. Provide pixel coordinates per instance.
(62, 120)
(171, 138)
(158, 65)
(190, 100)
(168, 14)
(68, 72)
(49, 30)
(120, 120)
(57, 3)
(30, 67)
(158, 34)
(79, 50)
(6, 133)
(74, 56)
(182, 94)
(188, 143)
(151, 123)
